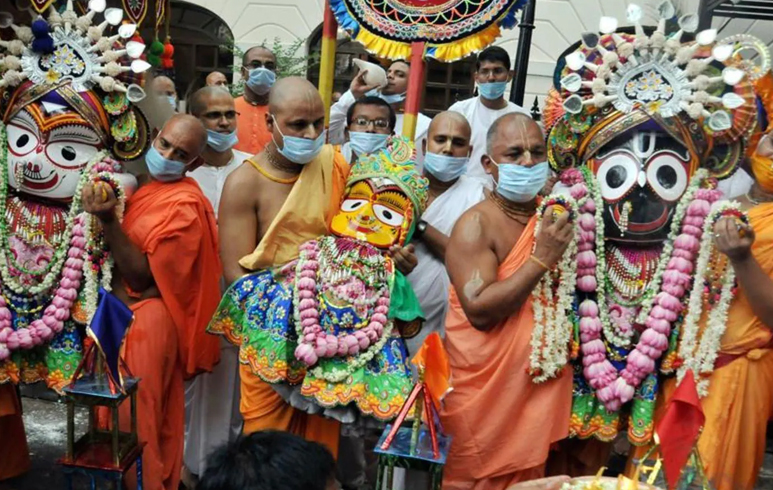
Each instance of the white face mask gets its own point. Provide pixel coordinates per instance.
(445, 168)
(299, 150)
(518, 183)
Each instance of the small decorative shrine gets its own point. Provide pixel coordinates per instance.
(422, 446)
(103, 382)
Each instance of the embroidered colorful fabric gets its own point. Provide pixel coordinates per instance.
(453, 29)
(54, 363)
(590, 419)
(257, 314)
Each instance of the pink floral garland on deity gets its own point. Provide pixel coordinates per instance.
(313, 342)
(57, 312)
(614, 389)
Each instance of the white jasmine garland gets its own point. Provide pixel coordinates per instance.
(697, 354)
(552, 328)
(90, 223)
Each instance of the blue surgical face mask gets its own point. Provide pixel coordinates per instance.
(299, 150)
(389, 99)
(517, 183)
(492, 90)
(163, 169)
(221, 142)
(172, 101)
(363, 143)
(261, 80)
(445, 168)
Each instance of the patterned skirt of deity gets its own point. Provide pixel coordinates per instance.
(259, 313)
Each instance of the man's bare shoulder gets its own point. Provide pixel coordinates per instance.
(245, 180)
(474, 224)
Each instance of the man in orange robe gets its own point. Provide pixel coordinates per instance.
(287, 194)
(740, 391)
(259, 73)
(168, 272)
(14, 453)
(287, 204)
(501, 422)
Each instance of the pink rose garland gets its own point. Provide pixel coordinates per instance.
(57, 312)
(668, 303)
(614, 389)
(315, 342)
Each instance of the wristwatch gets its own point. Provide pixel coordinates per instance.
(421, 227)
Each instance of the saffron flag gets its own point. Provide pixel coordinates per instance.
(679, 428)
(433, 360)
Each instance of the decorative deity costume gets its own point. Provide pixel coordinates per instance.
(65, 116)
(642, 125)
(327, 321)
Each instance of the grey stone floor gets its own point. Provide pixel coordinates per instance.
(45, 418)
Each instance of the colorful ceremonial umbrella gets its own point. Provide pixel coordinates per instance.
(446, 30)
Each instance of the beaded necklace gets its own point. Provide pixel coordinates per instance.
(521, 213)
(630, 273)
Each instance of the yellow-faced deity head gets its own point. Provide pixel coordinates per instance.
(384, 197)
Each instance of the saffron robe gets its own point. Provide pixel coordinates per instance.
(14, 453)
(251, 127)
(174, 225)
(502, 424)
(305, 215)
(740, 398)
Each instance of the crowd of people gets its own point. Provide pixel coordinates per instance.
(232, 179)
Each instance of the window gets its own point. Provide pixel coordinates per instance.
(197, 35)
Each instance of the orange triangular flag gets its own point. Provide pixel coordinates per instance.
(433, 360)
(679, 429)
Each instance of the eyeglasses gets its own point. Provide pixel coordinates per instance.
(377, 123)
(216, 116)
(260, 64)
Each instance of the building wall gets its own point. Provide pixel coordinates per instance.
(559, 23)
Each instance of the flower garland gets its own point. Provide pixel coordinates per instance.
(57, 312)
(552, 329)
(318, 270)
(68, 262)
(98, 259)
(699, 356)
(60, 255)
(662, 305)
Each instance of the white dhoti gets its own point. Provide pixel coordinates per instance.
(212, 415)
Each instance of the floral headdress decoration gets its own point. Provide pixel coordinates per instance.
(92, 71)
(397, 163)
(697, 91)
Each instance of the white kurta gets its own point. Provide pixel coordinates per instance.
(212, 415)
(430, 279)
(481, 118)
(338, 124)
(212, 179)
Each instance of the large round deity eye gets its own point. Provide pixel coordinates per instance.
(667, 176)
(69, 154)
(387, 215)
(616, 175)
(21, 141)
(351, 205)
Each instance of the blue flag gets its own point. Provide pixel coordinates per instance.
(108, 328)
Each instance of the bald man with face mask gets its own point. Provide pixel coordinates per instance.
(168, 272)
